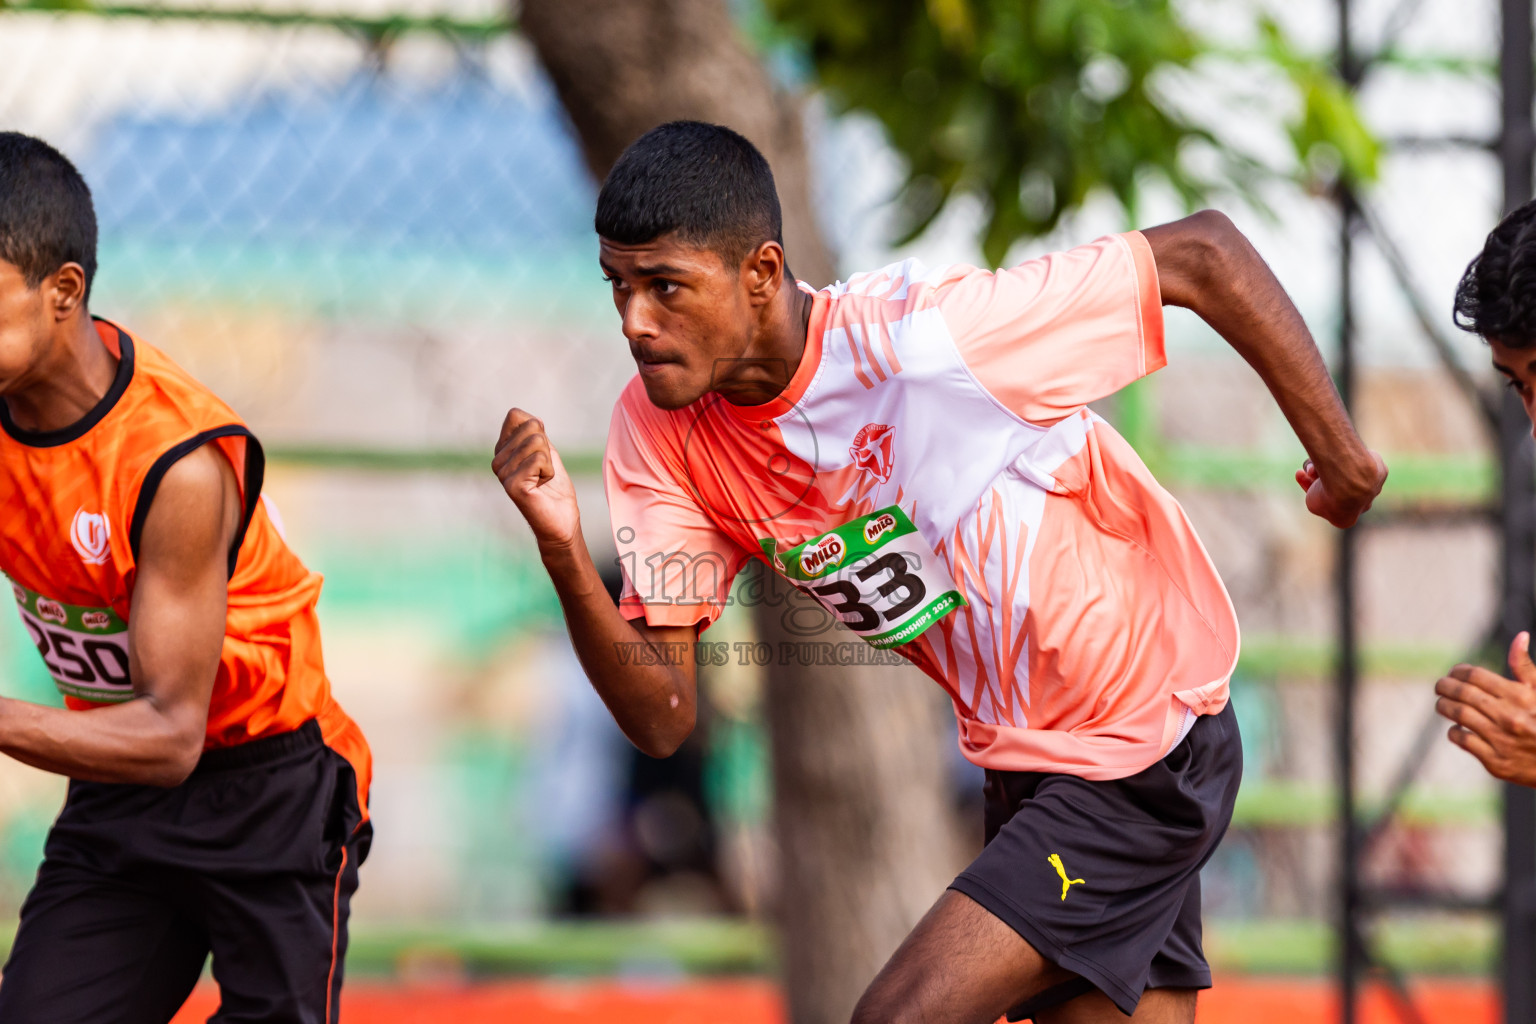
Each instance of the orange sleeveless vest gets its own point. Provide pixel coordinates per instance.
(74, 504)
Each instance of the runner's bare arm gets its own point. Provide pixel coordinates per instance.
(652, 697)
(1205, 264)
(175, 636)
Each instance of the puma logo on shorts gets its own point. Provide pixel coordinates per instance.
(1066, 883)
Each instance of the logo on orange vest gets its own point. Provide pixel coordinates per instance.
(51, 611)
(90, 533)
(874, 449)
(823, 555)
(95, 620)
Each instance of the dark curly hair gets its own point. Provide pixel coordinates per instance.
(1497, 295)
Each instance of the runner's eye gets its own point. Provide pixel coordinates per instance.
(666, 287)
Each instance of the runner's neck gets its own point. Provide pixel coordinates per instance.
(67, 383)
(785, 336)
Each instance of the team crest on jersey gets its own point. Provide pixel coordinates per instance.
(90, 533)
(874, 449)
(51, 611)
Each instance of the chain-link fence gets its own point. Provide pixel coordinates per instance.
(372, 237)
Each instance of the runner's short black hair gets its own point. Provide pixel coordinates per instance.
(1497, 295)
(46, 216)
(703, 181)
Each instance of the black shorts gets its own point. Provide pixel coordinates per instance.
(1103, 878)
(254, 858)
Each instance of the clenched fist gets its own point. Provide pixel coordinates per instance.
(1342, 505)
(531, 473)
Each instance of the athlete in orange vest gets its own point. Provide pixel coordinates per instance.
(218, 794)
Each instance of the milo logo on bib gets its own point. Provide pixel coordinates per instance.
(878, 525)
(876, 573)
(823, 555)
(85, 649)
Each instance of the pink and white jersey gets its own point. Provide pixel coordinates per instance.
(933, 476)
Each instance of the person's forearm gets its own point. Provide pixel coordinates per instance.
(1260, 322)
(1211, 269)
(647, 687)
(133, 742)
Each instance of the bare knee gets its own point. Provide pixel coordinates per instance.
(1166, 1006)
(924, 997)
(888, 1001)
(1157, 1006)
(960, 965)
(921, 997)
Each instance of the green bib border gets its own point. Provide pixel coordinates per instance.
(94, 696)
(918, 625)
(850, 533)
(74, 615)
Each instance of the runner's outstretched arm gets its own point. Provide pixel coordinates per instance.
(175, 636)
(651, 697)
(1205, 264)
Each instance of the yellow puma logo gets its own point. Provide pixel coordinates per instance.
(1066, 883)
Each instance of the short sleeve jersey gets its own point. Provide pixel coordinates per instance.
(1090, 624)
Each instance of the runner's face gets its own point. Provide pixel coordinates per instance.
(26, 322)
(1518, 365)
(684, 310)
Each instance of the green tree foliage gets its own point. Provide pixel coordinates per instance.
(1329, 138)
(1035, 104)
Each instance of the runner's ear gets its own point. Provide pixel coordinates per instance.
(68, 286)
(763, 271)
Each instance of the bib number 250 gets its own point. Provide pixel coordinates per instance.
(85, 649)
(87, 661)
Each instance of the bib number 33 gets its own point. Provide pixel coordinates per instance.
(876, 574)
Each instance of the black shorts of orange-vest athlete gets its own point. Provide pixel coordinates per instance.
(254, 857)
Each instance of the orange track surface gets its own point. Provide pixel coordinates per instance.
(1298, 1000)
(688, 1001)
(757, 1001)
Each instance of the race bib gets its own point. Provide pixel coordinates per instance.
(876, 574)
(85, 649)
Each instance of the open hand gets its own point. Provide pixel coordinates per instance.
(534, 478)
(1341, 506)
(1495, 717)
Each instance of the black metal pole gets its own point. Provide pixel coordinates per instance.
(1517, 154)
(1346, 671)
(1346, 674)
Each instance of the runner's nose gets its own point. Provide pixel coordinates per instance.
(639, 323)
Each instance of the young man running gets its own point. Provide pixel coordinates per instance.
(913, 449)
(218, 794)
(1494, 717)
